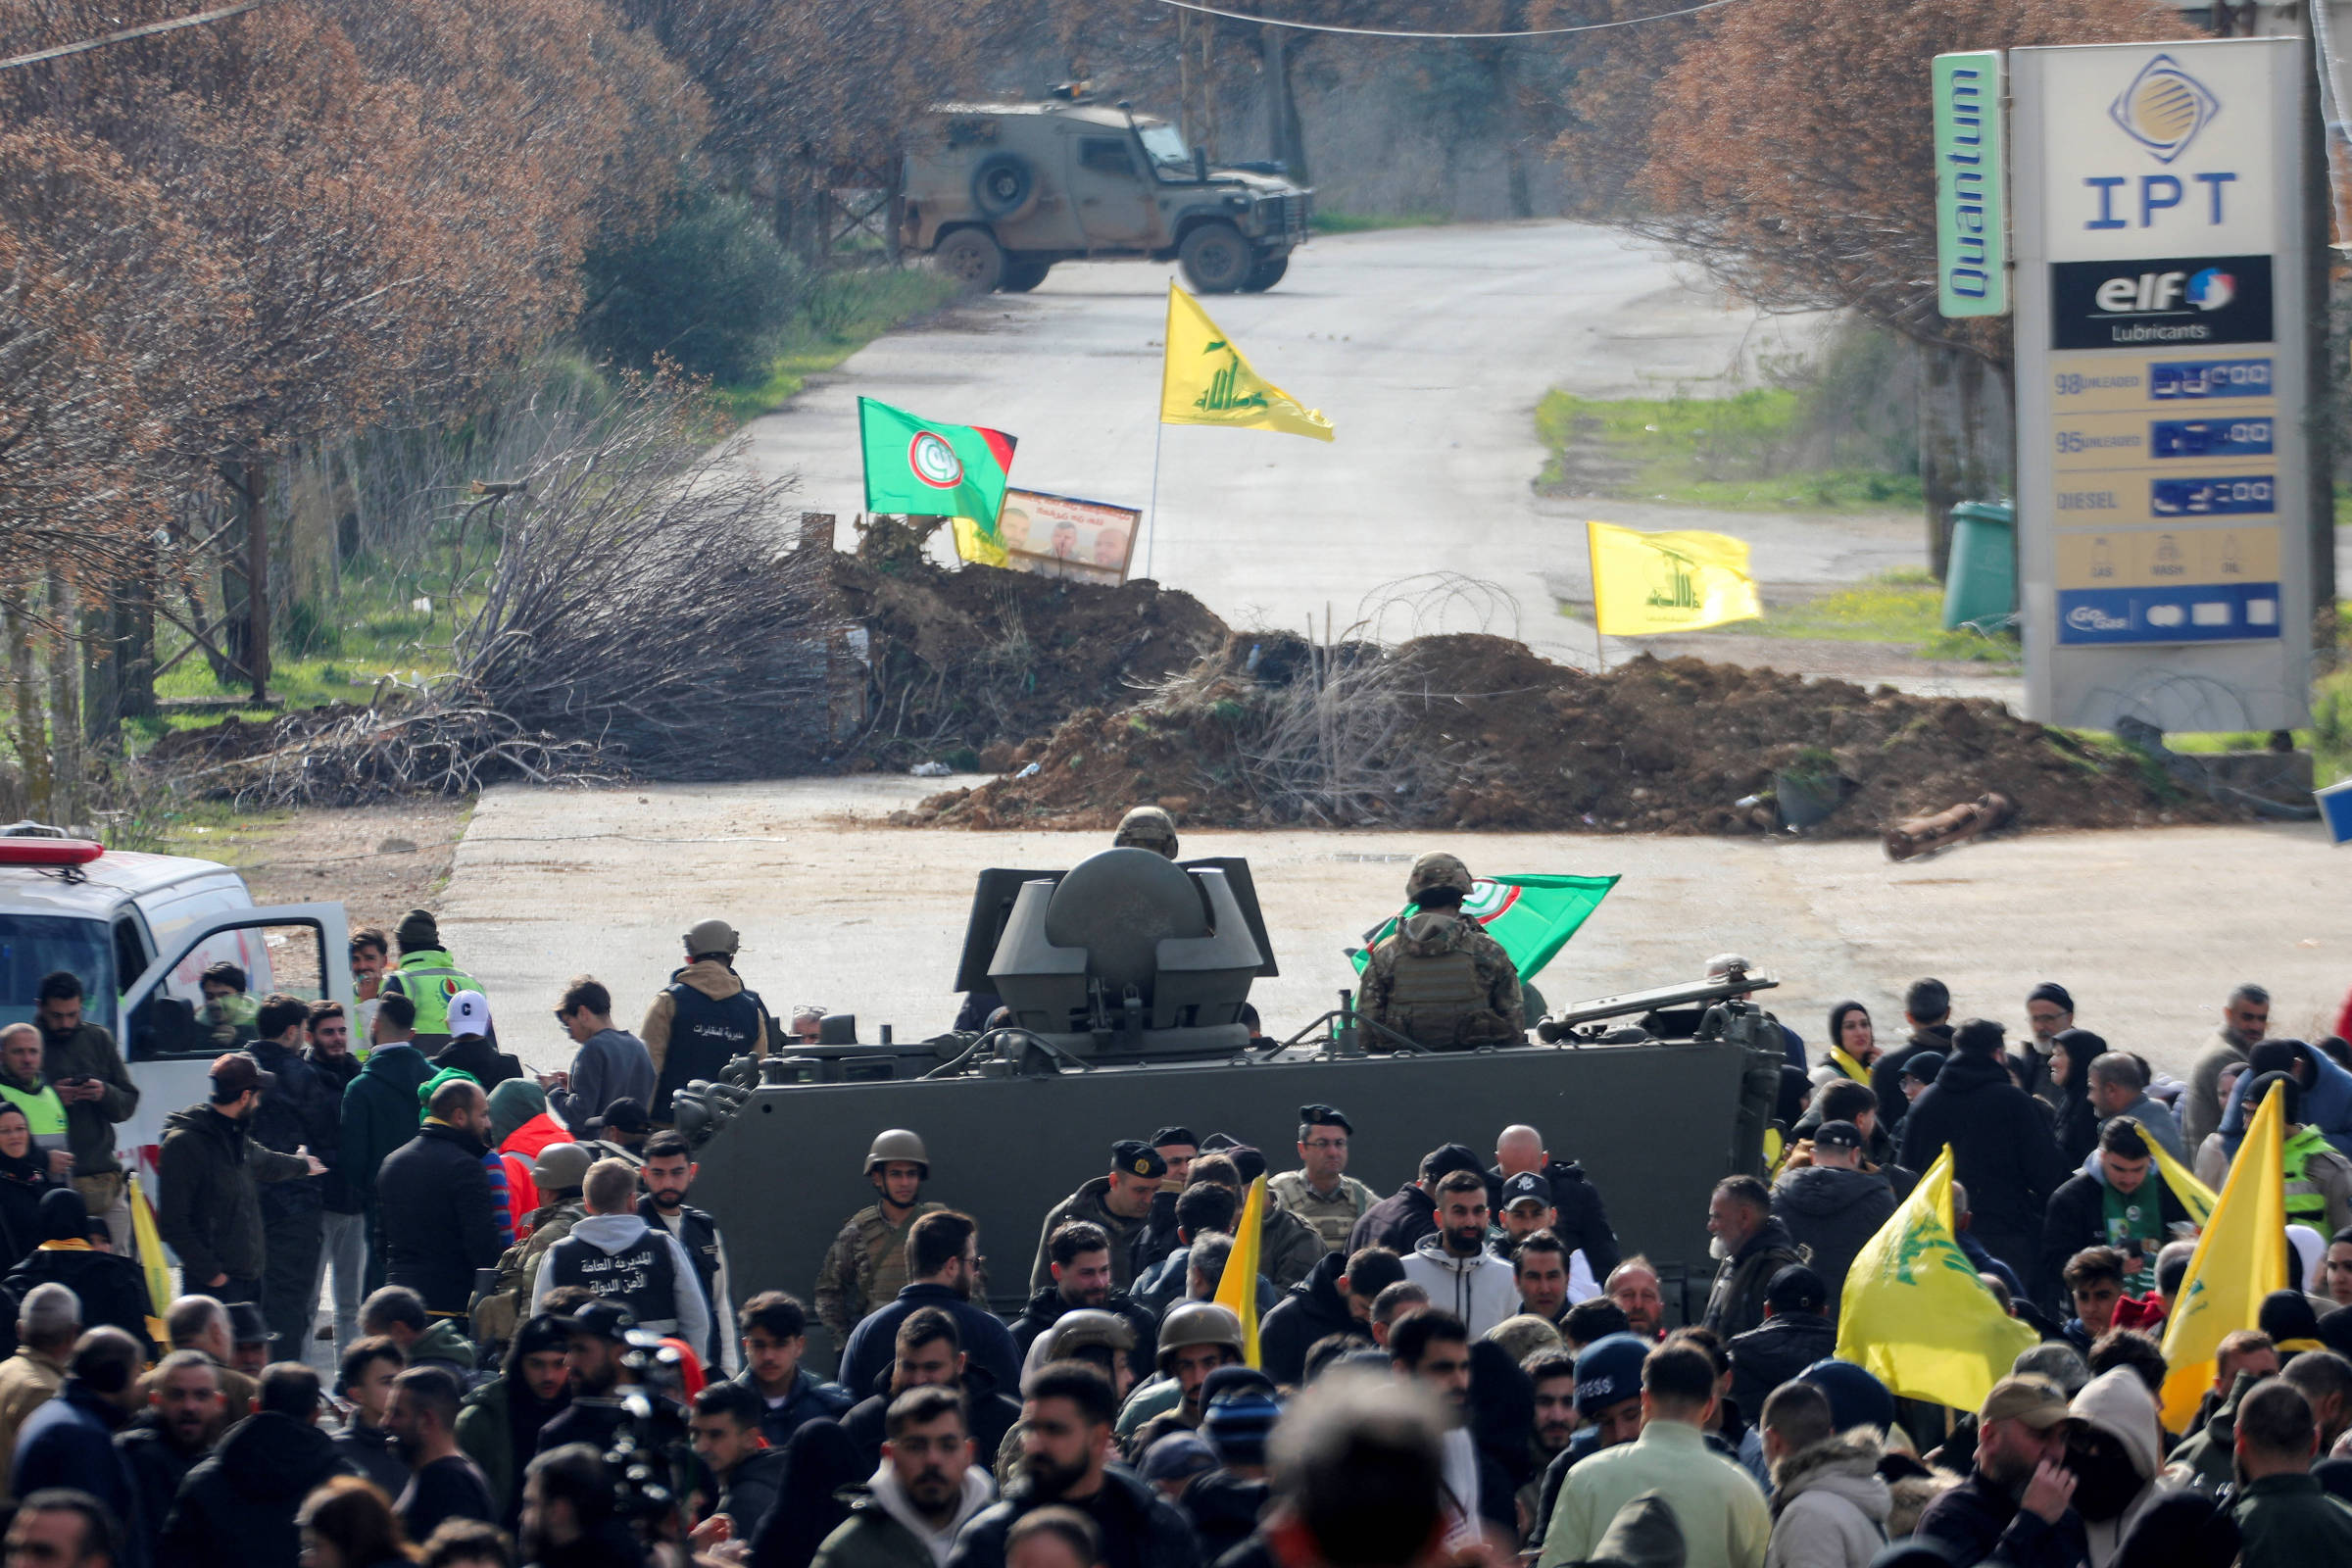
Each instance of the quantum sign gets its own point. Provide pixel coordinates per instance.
(1972, 223)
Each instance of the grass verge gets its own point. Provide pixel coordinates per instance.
(846, 311)
(1323, 222)
(1904, 607)
(1736, 453)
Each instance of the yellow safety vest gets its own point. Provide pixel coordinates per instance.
(2304, 1199)
(43, 1111)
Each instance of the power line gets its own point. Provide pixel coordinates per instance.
(1392, 32)
(128, 33)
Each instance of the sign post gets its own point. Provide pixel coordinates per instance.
(1972, 201)
(2162, 382)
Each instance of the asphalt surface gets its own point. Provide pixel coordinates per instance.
(837, 908)
(1428, 348)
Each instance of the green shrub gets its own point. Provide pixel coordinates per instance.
(710, 289)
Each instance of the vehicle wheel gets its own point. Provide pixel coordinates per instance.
(1023, 273)
(1266, 274)
(973, 258)
(1003, 186)
(1215, 258)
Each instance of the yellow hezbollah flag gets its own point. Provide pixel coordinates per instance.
(1914, 1312)
(1237, 1291)
(983, 547)
(1205, 380)
(2195, 1196)
(2239, 1259)
(150, 1243)
(1653, 583)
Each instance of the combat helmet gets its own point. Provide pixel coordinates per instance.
(1147, 827)
(1088, 1325)
(1197, 1323)
(897, 1143)
(1436, 869)
(711, 936)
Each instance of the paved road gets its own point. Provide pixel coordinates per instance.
(1428, 348)
(839, 910)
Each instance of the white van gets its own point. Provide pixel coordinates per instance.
(139, 930)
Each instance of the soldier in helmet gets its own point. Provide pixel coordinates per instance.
(1439, 979)
(704, 1018)
(1195, 1339)
(867, 1264)
(1147, 827)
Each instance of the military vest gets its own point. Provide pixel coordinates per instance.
(704, 1035)
(2304, 1199)
(642, 1276)
(1434, 996)
(698, 1233)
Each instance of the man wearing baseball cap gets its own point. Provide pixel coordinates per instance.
(473, 1046)
(1609, 1404)
(211, 1173)
(1832, 1206)
(703, 1019)
(2016, 1503)
(1119, 1201)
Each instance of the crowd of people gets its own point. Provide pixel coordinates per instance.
(531, 1350)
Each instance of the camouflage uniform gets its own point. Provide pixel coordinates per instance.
(1441, 981)
(1332, 1217)
(864, 1268)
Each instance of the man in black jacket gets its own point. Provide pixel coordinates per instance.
(1079, 1257)
(1797, 1332)
(1753, 1246)
(112, 1289)
(1928, 1010)
(2014, 1503)
(342, 1219)
(1399, 1221)
(210, 1175)
(930, 1353)
(1334, 1299)
(1831, 1207)
(439, 1212)
(303, 1109)
(2120, 1203)
(1065, 1448)
(2001, 1147)
(236, 1508)
(1580, 1218)
(184, 1416)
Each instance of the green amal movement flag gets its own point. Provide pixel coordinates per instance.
(923, 466)
(1531, 916)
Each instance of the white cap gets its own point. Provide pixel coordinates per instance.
(468, 1014)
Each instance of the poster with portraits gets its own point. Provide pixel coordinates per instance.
(1058, 536)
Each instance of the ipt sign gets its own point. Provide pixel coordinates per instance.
(2163, 496)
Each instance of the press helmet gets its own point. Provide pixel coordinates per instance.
(897, 1144)
(1436, 869)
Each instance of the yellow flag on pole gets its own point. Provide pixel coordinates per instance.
(1915, 1315)
(2195, 1196)
(2239, 1259)
(1205, 380)
(1237, 1291)
(1643, 583)
(150, 1243)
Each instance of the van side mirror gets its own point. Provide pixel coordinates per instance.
(1201, 165)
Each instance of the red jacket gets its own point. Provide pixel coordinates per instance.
(524, 1146)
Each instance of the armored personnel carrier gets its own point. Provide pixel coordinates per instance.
(997, 193)
(1125, 978)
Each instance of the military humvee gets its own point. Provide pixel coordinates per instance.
(999, 192)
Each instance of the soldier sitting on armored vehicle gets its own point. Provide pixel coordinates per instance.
(867, 1264)
(1439, 979)
(1147, 827)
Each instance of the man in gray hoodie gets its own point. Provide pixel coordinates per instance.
(611, 1064)
(922, 1494)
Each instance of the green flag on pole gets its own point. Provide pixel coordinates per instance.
(1531, 916)
(920, 465)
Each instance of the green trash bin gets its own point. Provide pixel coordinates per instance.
(1979, 584)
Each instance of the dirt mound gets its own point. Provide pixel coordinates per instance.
(1476, 732)
(980, 660)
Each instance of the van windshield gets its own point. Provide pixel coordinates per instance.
(36, 946)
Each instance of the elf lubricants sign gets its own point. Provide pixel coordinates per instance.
(2161, 383)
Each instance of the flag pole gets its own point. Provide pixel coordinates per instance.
(1601, 649)
(1151, 532)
